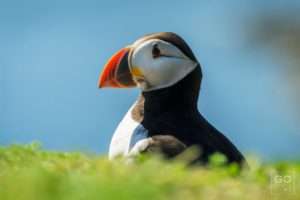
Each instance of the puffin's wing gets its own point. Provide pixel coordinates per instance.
(168, 145)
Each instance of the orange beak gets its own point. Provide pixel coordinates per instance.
(116, 73)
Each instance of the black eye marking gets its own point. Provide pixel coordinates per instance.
(156, 51)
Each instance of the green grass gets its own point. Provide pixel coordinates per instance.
(32, 174)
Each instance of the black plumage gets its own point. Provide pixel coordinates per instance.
(173, 112)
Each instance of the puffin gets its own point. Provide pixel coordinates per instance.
(165, 117)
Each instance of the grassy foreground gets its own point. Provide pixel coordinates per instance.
(32, 174)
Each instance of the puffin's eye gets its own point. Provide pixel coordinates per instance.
(156, 51)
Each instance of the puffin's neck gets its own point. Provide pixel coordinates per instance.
(178, 99)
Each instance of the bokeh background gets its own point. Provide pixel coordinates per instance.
(52, 53)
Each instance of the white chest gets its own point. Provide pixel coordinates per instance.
(127, 134)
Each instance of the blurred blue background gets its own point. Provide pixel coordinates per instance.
(52, 54)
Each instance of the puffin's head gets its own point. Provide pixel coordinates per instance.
(154, 61)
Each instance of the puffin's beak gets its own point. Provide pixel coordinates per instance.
(116, 73)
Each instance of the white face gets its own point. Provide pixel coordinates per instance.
(158, 64)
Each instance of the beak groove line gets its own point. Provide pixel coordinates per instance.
(109, 75)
